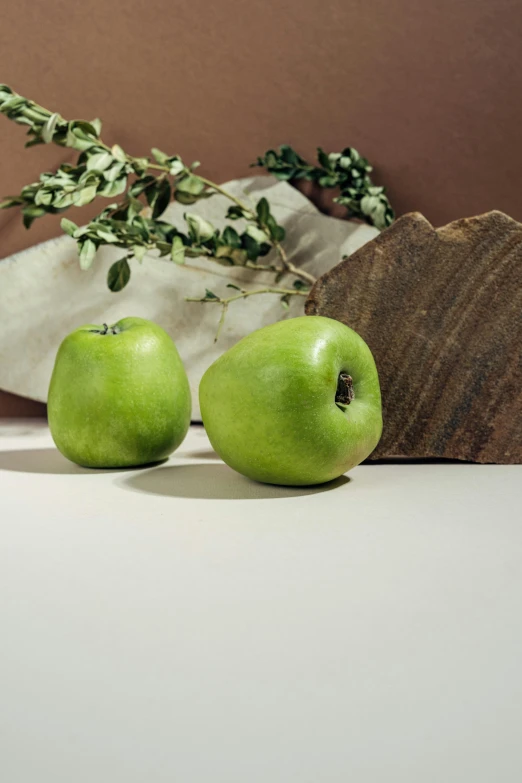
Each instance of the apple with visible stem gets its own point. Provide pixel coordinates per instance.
(119, 395)
(294, 403)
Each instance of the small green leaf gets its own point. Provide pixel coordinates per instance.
(289, 155)
(251, 246)
(87, 252)
(82, 128)
(142, 184)
(323, 158)
(191, 184)
(62, 201)
(263, 210)
(299, 285)
(114, 188)
(177, 252)
(85, 196)
(140, 226)
(99, 161)
(163, 247)
(87, 178)
(162, 199)
(140, 165)
(97, 125)
(139, 252)
(159, 156)
(231, 237)
(118, 153)
(43, 196)
(134, 208)
(235, 213)
(30, 213)
(112, 174)
(279, 234)
(151, 192)
(276, 231)
(107, 236)
(200, 230)
(118, 275)
(257, 234)
(328, 181)
(285, 302)
(79, 139)
(193, 251)
(210, 294)
(176, 166)
(48, 129)
(231, 285)
(68, 226)
(185, 198)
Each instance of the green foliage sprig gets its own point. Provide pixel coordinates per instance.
(346, 170)
(144, 187)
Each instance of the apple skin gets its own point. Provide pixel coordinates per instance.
(118, 400)
(268, 403)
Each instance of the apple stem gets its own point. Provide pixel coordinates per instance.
(105, 330)
(344, 394)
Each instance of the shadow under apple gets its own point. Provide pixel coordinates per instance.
(199, 454)
(49, 461)
(213, 481)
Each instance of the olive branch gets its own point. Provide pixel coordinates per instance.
(144, 187)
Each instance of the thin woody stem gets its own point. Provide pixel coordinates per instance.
(228, 195)
(245, 294)
(222, 317)
(305, 276)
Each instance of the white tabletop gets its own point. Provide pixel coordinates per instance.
(181, 624)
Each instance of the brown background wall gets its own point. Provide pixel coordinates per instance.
(429, 92)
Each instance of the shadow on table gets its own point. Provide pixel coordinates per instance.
(214, 482)
(199, 454)
(48, 461)
(416, 461)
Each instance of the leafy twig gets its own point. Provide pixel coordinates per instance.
(133, 223)
(284, 293)
(129, 224)
(347, 170)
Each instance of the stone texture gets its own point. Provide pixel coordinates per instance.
(441, 310)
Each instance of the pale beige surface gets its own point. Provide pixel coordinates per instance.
(181, 623)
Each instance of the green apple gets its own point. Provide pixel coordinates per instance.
(119, 395)
(297, 402)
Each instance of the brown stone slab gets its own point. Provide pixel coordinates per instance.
(441, 310)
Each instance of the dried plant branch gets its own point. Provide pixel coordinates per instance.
(144, 187)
